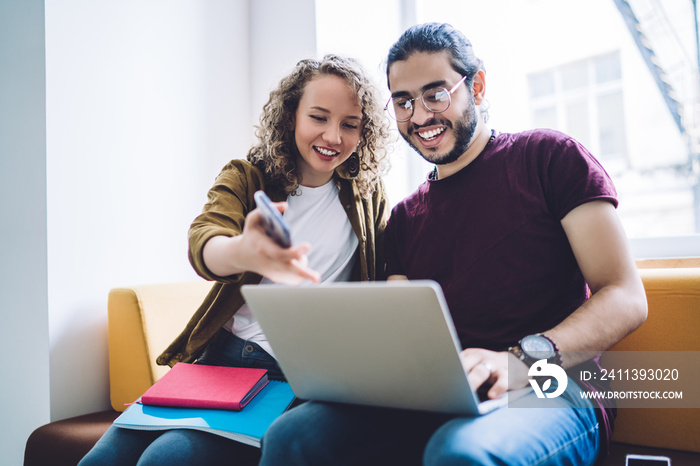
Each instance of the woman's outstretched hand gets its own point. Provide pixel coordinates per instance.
(254, 251)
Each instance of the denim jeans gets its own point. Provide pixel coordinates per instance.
(180, 447)
(226, 349)
(318, 433)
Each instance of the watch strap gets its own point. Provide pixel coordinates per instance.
(517, 351)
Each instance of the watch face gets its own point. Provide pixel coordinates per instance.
(537, 347)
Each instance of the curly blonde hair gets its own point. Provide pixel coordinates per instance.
(275, 153)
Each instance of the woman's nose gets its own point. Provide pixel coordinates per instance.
(332, 135)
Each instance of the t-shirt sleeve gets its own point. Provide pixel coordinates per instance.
(573, 176)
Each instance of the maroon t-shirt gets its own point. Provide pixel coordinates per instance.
(491, 236)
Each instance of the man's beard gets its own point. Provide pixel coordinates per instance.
(463, 130)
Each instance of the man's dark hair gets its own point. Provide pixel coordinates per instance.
(435, 38)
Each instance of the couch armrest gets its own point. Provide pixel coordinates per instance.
(143, 320)
(673, 324)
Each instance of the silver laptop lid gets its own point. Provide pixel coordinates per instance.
(390, 344)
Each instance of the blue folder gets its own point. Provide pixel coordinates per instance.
(246, 426)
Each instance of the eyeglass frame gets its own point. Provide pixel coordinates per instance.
(413, 107)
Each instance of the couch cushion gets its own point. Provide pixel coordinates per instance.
(65, 442)
(673, 324)
(143, 320)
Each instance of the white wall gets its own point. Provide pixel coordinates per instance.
(24, 386)
(281, 33)
(143, 105)
(108, 143)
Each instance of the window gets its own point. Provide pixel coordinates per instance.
(585, 100)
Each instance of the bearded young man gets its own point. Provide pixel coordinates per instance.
(520, 230)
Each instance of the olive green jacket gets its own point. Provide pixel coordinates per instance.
(229, 201)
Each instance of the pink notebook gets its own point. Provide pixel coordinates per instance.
(200, 386)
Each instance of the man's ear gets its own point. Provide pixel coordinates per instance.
(479, 87)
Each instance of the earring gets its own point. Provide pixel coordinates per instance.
(353, 163)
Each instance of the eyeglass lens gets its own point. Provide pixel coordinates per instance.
(436, 100)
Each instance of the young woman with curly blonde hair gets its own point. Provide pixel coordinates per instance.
(275, 153)
(319, 155)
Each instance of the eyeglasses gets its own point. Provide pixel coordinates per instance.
(435, 100)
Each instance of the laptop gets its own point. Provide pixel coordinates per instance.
(390, 344)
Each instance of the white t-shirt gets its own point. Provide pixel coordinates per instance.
(317, 217)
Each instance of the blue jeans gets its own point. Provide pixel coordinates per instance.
(180, 447)
(318, 433)
(226, 349)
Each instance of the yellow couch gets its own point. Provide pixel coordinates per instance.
(143, 320)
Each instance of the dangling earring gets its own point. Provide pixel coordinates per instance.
(353, 165)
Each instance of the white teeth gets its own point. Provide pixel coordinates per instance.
(429, 135)
(327, 153)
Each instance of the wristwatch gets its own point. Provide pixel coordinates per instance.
(534, 347)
